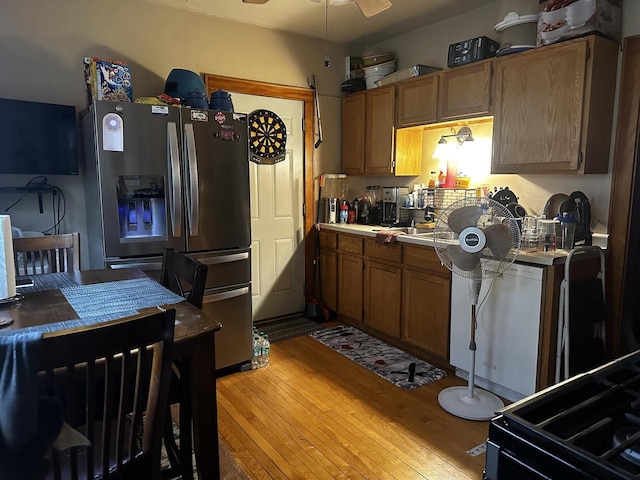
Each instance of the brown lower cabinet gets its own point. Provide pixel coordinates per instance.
(399, 291)
(382, 287)
(350, 270)
(328, 276)
(426, 311)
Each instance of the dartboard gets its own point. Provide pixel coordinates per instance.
(267, 137)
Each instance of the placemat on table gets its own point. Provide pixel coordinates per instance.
(48, 281)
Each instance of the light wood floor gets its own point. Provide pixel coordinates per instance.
(312, 413)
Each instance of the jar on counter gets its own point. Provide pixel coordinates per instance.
(344, 212)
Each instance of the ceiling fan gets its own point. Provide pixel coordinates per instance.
(369, 8)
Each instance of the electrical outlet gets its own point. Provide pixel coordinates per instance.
(475, 451)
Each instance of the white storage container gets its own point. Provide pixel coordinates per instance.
(406, 73)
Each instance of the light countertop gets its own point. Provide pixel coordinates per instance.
(536, 258)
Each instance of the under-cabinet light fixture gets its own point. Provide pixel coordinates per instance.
(463, 135)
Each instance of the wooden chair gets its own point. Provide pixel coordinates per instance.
(184, 275)
(187, 277)
(50, 253)
(113, 380)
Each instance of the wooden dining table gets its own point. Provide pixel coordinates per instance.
(193, 340)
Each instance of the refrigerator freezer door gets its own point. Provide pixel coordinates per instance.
(220, 214)
(226, 268)
(232, 308)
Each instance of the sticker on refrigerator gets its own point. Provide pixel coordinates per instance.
(112, 133)
(160, 109)
(199, 115)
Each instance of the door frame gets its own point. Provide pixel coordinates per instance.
(306, 95)
(623, 203)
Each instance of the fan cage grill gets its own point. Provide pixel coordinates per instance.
(490, 265)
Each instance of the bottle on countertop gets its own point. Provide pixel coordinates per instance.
(433, 180)
(352, 214)
(442, 178)
(344, 212)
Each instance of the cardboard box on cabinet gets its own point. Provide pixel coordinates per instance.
(563, 19)
(107, 80)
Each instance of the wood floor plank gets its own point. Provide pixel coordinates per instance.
(312, 413)
(281, 413)
(393, 437)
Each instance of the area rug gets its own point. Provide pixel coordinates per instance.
(386, 361)
(286, 328)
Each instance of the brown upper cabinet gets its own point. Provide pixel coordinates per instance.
(418, 100)
(370, 142)
(553, 108)
(353, 114)
(465, 91)
(453, 94)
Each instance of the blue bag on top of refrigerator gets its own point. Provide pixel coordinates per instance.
(107, 80)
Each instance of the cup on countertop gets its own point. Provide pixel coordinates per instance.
(529, 237)
(548, 231)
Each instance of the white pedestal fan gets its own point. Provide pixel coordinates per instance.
(476, 238)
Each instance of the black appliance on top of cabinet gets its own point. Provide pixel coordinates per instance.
(160, 176)
(587, 427)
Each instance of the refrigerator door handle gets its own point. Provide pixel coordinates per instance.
(193, 204)
(141, 265)
(234, 257)
(216, 297)
(175, 196)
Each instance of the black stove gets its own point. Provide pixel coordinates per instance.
(587, 427)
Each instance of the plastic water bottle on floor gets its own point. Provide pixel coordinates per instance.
(257, 351)
(266, 350)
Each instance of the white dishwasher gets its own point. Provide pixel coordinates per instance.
(508, 327)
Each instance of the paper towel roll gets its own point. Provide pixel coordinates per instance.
(7, 267)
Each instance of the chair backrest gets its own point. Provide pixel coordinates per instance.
(113, 380)
(184, 275)
(47, 254)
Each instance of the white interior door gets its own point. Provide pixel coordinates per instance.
(277, 227)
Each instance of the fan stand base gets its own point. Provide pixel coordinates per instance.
(482, 406)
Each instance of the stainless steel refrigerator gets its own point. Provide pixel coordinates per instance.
(159, 176)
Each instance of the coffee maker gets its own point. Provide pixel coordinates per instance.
(392, 200)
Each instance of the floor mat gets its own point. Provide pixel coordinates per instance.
(287, 328)
(386, 361)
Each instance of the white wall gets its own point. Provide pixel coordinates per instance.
(42, 45)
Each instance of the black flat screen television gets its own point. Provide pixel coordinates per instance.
(38, 138)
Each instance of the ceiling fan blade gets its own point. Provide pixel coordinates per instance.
(464, 217)
(369, 8)
(259, 2)
(499, 239)
(463, 260)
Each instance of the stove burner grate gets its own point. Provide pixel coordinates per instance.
(632, 452)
